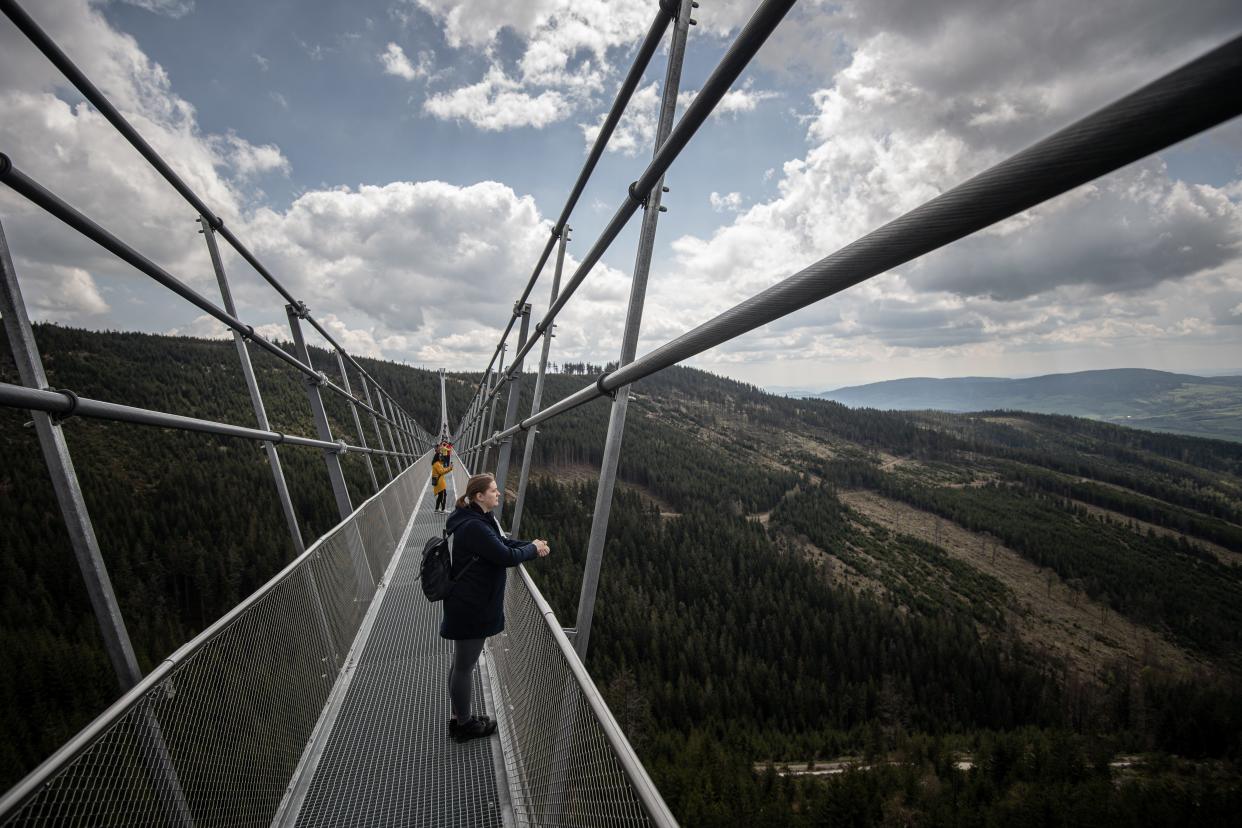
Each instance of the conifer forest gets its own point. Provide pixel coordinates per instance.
(808, 614)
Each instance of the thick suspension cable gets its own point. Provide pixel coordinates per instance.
(1185, 102)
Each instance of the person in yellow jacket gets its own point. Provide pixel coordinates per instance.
(439, 479)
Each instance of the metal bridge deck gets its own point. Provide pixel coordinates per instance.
(387, 759)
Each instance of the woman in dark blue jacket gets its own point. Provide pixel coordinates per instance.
(476, 607)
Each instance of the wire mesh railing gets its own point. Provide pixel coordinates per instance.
(566, 758)
(214, 734)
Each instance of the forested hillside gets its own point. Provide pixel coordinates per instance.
(984, 617)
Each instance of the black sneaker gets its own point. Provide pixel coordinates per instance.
(452, 723)
(476, 728)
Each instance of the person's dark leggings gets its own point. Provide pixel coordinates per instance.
(440, 498)
(461, 676)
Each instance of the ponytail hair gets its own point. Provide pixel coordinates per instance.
(476, 485)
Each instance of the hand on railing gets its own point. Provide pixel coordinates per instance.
(541, 546)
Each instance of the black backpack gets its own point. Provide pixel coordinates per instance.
(436, 571)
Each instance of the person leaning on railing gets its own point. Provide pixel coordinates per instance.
(475, 608)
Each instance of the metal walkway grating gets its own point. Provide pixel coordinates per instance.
(388, 760)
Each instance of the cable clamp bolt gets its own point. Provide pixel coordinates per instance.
(599, 386)
(642, 200)
(321, 378)
(300, 310)
(61, 416)
(341, 447)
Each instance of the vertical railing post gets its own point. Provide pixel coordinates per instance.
(379, 435)
(81, 532)
(256, 398)
(490, 428)
(260, 414)
(353, 409)
(65, 479)
(479, 410)
(403, 433)
(399, 459)
(410, 436)
(417, 435)
(365, 578)
(444, 429)
(511, 407)
(528, 450)
(629, 344)
(331, 458)
(476, 422)
(466, 431)
(394, 427)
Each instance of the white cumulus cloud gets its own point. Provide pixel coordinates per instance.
(919, 102)
(730, 202)
(397, 63)
(498, 102)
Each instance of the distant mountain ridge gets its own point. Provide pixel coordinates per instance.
(1137, 397)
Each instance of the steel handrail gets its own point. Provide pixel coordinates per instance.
(1182, 103)
(66, 403)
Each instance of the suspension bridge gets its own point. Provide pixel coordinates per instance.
(319, 699)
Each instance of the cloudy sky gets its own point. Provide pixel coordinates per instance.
(398, 163)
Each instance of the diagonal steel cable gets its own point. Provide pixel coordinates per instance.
(1203, 93)
(752, 36)
(57, 56)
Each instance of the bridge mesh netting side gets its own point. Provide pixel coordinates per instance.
(566, 759)
(214, 737)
